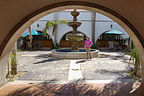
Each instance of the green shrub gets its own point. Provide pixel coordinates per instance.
(94, 46)
(18, 50)
(55, 46)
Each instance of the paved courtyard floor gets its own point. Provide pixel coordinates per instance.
(47, 76)
(40, 66)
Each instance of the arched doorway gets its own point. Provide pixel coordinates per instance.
(17, 30)
(38, 41)
(112, 39)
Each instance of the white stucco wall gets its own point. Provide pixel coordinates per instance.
(3, 64)
(102, 24)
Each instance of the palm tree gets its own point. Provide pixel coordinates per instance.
(135, 57)
(30, 36)
(54, 24)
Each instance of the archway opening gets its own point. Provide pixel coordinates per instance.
(113, 39)
(38, 41)
(124, 25)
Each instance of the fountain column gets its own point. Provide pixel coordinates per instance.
(75, 37)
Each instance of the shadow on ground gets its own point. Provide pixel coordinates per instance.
(119, 73)
(73, 89)
(47, 60)
(81, 61)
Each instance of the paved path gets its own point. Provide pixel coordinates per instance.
(74, 71)
(39, 66)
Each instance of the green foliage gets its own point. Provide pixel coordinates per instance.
(53, 24)
(136, 59)
(135, 55)
(25, 38)
(18, 50)
(20, 38)
(13, 63)
(130, 72)
(124, 40)
(55, 46)
(11, 56)
(127, 51)
(62, 21)
(94, 46)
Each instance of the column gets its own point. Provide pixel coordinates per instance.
(3, 64)
(93, 26)
(56, 30)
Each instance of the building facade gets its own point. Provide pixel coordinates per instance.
(93, 24)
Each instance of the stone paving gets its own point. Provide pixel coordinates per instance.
(40, 66)
(106, 68)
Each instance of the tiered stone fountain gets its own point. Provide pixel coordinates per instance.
(74, 37)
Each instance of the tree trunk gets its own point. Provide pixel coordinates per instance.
(54, 36)
(129, 43)
(30, 36)
(55, 29)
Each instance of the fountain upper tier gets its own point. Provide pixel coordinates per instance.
(74, 25)
(74, 36)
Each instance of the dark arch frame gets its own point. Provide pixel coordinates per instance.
(82, 3)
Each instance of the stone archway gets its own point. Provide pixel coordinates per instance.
(23, 24)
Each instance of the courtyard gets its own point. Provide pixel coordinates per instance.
(40, 70)
(41, 75)
(40, 66)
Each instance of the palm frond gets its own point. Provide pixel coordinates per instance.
(47, 26)
(54, 25)
(62, 21)
(135, 54)
(136, 60)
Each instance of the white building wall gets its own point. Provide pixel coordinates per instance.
(101, 27)
(3, 65)
(102, 17)
(84, 17)
(102, 24)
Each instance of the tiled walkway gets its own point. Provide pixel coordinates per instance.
(113, 89)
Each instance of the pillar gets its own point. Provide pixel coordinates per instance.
(93, 26)
(3, 64)
(56, 30)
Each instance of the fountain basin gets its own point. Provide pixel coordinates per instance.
(68, 54)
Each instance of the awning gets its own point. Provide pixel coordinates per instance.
(33, 32)
(116, 32)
